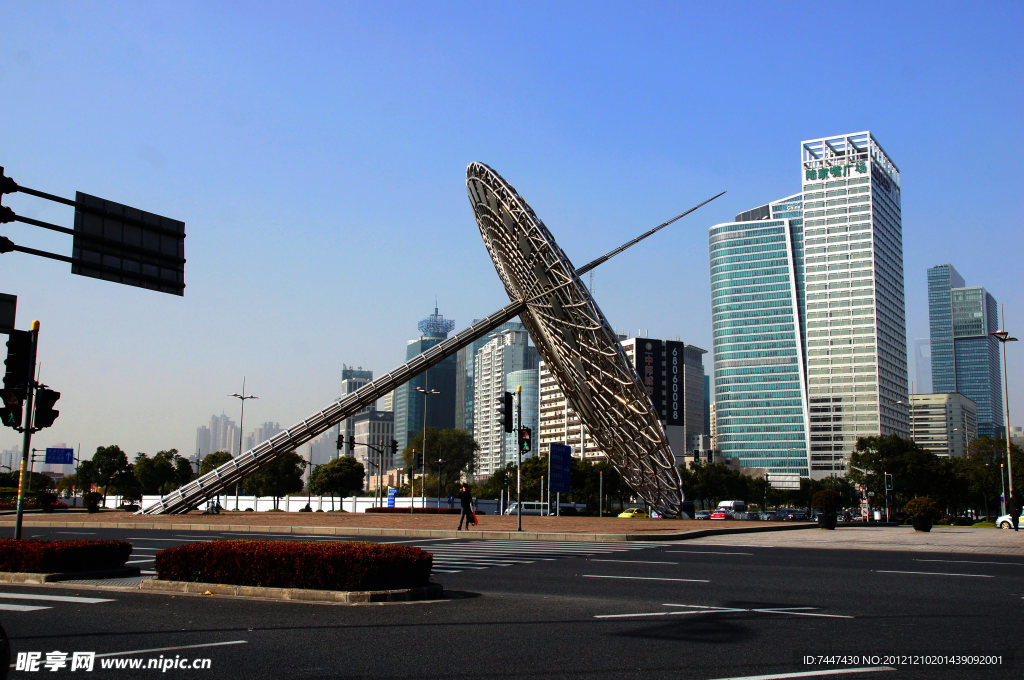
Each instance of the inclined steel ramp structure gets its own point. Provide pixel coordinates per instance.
(569, 330)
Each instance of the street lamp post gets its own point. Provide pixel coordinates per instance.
(423, 468)
(1004, 337)
(440, 464)
(241, 423)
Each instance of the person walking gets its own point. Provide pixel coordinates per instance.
(466, 499)
(1013, 506)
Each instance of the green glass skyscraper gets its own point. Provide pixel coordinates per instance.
(965, 356)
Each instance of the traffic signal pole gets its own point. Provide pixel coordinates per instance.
(26, 444)
(519, 459)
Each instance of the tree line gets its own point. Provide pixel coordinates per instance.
(957, 484)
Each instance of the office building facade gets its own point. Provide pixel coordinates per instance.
(965, 356)
(671, 371)
(409, 402)
(351, 380)
(506, 352)
(808, 314)
(944, 423)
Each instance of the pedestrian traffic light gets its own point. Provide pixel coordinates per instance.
(525, 441)
(505, 411)
(888, 481)
(10, 408)
(19, 360)
(44, 412)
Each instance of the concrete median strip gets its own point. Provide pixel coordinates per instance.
(33, 577)
(430, 591)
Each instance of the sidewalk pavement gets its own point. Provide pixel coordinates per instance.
(767, 534)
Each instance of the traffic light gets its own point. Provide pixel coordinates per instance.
(45, 415)
(341, 442)
(352, 445)
(525, 440)
(19, 360)
(394, 448)
(888, 481)
(10, 409)
(505, 411)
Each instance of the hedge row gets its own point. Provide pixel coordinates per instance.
(294, 564)
(46, 557)
(418, 511)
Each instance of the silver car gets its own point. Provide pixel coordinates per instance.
(1006, 521)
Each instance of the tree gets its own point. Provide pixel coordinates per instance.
(154, 475)
(456, 447)
(915, 471)
(280, 477)
(982, 469)
(111, 465)
(214, 460)
(340, 477)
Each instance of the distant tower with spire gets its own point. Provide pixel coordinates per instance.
(409, 402)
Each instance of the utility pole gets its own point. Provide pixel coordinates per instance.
(519, 459)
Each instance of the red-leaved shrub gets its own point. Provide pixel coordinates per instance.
(46, 557)
(294, 564)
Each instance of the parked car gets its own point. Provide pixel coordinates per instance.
(634, 512)
(1006, 521)
(790, 514)
(702, 514)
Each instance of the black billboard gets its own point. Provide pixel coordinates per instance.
(675, 362)
(649, 363)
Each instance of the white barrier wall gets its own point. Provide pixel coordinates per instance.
(316, 503)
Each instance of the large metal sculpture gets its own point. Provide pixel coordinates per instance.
(571, 335)
(576, 342)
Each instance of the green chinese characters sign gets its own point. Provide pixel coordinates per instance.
(835, 171)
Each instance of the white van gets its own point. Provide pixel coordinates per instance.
(538, 508)
(738, 509)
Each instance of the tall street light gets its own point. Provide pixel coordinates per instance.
(241, 422)
(423, 469)
(1004, 337)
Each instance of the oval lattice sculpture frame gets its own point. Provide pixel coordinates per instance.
(575, 341)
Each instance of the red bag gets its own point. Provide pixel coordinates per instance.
(474, 517)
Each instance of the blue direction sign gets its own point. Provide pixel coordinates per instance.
(559, 458)
(391, 497)
(60, 456)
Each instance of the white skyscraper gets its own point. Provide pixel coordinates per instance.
(856, 321)
(506, 352)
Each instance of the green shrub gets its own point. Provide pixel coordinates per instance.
(922, 506)
(41, 556)
(92, 501)
(294, 564)
(826, 500)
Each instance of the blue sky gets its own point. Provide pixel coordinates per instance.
(317, 154)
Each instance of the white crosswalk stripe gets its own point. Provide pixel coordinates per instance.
(9, 607)
(450, 558)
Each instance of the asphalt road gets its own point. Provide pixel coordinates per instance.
(552, 610)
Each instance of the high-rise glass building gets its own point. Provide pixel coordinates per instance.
(409, 403)
(965, 356)
(758, 317)
(808, 314)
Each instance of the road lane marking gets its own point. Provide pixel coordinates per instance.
(694, 609)
(811, 674)
(1013, 564)
(174, 649)
(648, 578)
(634, 561)
(930, 573)
(20, 608)
(708, 552)
(53, 598)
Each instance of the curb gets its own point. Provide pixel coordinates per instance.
(429, 533)
(431, 591)
(32, 577)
